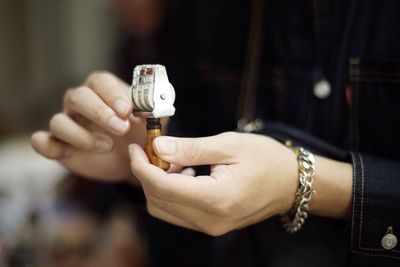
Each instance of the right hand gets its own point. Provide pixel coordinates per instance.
(92, 133)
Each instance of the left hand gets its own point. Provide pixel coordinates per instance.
(252, 178)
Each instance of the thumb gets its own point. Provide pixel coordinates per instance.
(218, 149)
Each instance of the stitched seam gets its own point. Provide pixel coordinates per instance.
(376, 255)
(372, 79)
(362, 200)
(374, 74)
(354, 196)
(361, 214)
(380, 249)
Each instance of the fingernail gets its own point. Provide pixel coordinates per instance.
(165, 146)
(121, 106)
(117, 124)
(103, 143)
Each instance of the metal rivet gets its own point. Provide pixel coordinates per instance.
(163, 96)
(389, 240)
(322, 89)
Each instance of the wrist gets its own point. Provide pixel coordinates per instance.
(292, 181)
(333, 182)
(294, 219)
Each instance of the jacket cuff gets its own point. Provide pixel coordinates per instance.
(376, 205)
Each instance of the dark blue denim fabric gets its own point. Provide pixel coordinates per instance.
(376, 201)
(374, 127)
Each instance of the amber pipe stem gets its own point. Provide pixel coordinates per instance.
(153, 131)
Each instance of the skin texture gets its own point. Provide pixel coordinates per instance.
(252, 177)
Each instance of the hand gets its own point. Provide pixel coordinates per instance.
(91, 135)
(252, 178)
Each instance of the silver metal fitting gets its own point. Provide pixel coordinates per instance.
(152, 92)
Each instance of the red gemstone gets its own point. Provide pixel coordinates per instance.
(149, 71)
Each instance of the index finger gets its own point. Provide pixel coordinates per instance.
(113, 91)
(197, 191)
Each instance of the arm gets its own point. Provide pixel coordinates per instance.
(254, 177)
(333, 184)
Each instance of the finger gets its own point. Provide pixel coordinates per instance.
(67, 130)
(174, 168)
(84, 101)
(198, 191)
(179, 169)
(47, 146)
(218, 149)
(113, 91)
(188, 171)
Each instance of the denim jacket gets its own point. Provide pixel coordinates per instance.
(354, 48)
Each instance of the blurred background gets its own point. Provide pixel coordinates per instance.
(47, 46)
(47, 216)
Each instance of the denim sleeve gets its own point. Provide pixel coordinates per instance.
(376, 205)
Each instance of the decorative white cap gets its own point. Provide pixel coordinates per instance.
(152, 92)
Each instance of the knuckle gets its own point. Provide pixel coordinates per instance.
(53, 153)
(232, 142)
(34, 140)
(56, 121)
(102, 114)
(95, 76)
(67, 96)
(99, 77)
(216, 229)
(74, 96)
(151, 209)
(48, 147)
(37, 147)
(80, 92)
(232, 139)
(83, 142)
(230, 135)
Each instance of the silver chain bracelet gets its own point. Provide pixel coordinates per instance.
(294, 219)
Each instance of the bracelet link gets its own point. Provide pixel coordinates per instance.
(295, 218)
